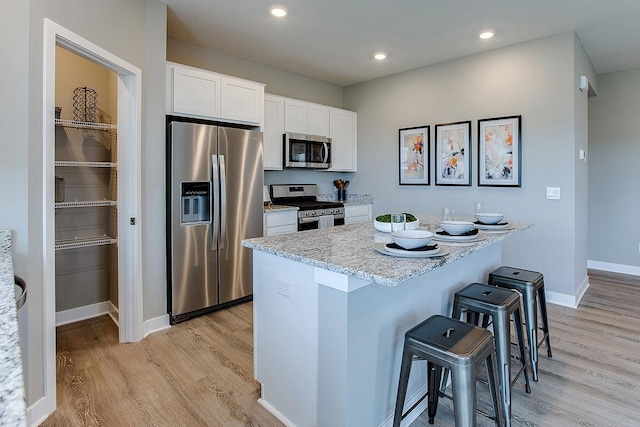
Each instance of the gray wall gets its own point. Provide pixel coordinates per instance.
(535, 79)
(135, 31)
(614, 147)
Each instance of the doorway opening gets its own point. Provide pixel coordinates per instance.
(91, 195)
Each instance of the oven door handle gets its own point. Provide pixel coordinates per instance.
(308, 220)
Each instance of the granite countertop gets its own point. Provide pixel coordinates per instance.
(349, 250)
(12, 403)
(352, 199)
(279, 208)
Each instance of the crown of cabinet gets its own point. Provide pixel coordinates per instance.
(197, 93)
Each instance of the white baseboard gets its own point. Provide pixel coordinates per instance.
(417, 411)
(37, 413)
(284, 420)
(156, 324)
(565, 299)
(87, 312)
(614, 268)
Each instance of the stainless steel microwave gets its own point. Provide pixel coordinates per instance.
(307, 151)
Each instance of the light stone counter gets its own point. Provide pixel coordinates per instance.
(279, 208)
(352, 199)
(349, 250)
(12, 404)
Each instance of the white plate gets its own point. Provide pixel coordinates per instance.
(404, 251)
(380, 247)
(501, 226)
(474, 238)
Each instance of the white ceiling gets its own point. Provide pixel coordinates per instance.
(334, 40)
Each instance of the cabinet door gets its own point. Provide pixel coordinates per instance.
(280, 223)
(343, 133)
(354, 214)
(196, 93)
(318, 120)
(241, 101)
(295, 116)
(272, 132)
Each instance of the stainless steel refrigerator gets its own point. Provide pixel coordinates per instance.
(214, 201)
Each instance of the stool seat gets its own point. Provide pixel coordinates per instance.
(459, 347)
(530, 284)
(500, 305)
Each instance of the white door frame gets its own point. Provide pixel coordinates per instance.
(129, 194)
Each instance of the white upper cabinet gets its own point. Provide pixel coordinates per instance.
(343, 133)
(241, 100)
(195, 93)
(192, 92)
(272, 132)
(306, 118)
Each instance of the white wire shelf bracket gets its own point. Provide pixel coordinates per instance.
(85, 204)
(84, 242)
(85, 125)
(73, 164)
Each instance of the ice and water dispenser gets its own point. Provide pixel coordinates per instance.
(195, 202)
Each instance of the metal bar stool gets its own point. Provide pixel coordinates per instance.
(501, 305)
(531, 285)
(459, 347)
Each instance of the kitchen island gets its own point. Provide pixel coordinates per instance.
(330, 313)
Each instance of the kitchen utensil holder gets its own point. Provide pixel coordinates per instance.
(342, 195)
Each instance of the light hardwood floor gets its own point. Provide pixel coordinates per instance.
(199, 373)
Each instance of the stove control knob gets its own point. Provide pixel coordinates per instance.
(313, 213)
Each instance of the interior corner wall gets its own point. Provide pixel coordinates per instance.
(278, 82)
(614, 148)
(124, 28)
(582, 67)
(534, 79)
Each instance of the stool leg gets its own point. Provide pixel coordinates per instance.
(456, 312)
(405, 370)
(542, 300)
(463, 383)
(434, 376)
(490, 364)
(517, 323)
(531, 317)
(501, 328)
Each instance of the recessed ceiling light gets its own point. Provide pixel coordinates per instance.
(380, 56)
(486, 35)
(278, 11)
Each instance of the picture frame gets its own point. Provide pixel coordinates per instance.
(500, 152)
(452, 153)
(413, 144)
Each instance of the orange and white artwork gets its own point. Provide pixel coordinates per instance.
(499, 151)
(452, 154)
(414, 150)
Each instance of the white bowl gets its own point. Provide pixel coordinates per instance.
(489, 217)
(411, 239)
(386, 226)
(456, 227)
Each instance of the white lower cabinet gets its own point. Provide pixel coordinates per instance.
(354, 214)
(280, 222)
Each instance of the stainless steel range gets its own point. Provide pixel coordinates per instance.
(312, 213)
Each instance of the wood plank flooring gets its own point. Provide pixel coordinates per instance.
(199, 373)
(593, 378)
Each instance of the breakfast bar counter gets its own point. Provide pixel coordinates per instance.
(330, 313)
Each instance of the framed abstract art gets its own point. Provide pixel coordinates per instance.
(453, 153)
(499, 152)
(414, 155)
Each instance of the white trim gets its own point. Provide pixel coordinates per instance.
(413, 415)
(156, 324)
(614, 268)
(37, 413)
(87, 312)
(129, 189)
(284, 420)
(581, 290)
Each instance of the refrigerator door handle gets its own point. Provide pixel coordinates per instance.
(223, 203)
(215, 202)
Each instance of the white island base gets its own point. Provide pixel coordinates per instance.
(328, 346)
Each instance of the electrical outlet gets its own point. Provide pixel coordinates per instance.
(284, 289)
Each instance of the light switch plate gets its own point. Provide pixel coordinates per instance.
(553, 193)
